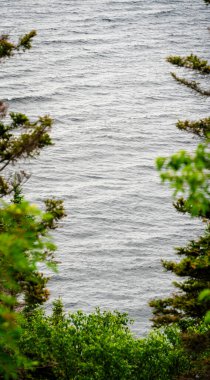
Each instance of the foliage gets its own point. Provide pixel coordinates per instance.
(194, 266)
(196, 340)
(20, 139)
(191, 84)
(97, 346)
(23, 243)
(24, 239)
(189, 176)
(205, 296)
(200, 128)
(7, 48)
(192, 62)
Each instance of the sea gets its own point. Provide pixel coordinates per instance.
(99, 69)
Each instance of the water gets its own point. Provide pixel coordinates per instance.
(98, 68)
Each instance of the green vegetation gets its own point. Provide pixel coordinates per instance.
(98, 346)
(200, 128)
(8, 48)
(191, 84)
(189, 176)
(191, 62)
(24, 239)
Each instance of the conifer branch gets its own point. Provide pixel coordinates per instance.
(7, 48)
(190, 62)
(191, 84)
(201, 127)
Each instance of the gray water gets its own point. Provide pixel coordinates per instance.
(98, 68)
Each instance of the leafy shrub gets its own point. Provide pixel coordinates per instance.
(98, 346)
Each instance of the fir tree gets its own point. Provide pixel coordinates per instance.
(24, 240)
(189, 175)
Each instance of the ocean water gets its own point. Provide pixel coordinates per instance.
(98, 68)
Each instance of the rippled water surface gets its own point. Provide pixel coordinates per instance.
(98, 68)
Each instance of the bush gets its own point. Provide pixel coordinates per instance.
(98, 346)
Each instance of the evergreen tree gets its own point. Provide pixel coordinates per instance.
(24, 240)
(189, 175)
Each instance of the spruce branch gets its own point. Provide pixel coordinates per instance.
(7, 48)
(201, 127)
(190, 62)
(191, 84)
